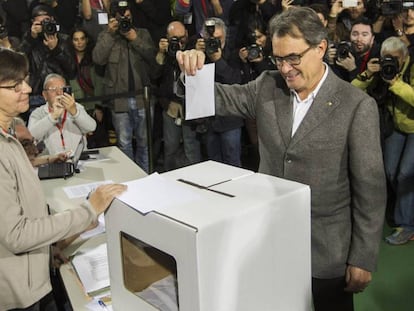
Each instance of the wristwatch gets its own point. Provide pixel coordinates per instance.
(399, 32)
(363, 76)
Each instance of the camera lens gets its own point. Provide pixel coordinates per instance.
(343, 49)
(389, 67)
(254, 52)
(125, 24)
(173, 46)
(49, 27)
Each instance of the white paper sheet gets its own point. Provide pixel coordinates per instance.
(100, 228)
(92, 268)
(199, 93)
(155, 192)
(83, 190)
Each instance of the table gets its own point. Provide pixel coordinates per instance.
(118, 168)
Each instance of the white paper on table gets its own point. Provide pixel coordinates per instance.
(83, 190)
(92, 268)
(155, 192)
(100, 228)
(199, 93)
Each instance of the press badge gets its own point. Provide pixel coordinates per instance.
(103, 18)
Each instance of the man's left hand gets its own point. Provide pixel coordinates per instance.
(215, 56)
(131, 35)
(357, 279)
(348, 63)
(51, 41)
(68, 102)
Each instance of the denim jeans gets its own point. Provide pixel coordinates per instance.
(132, 124)
(173, 136)
(225, 146)
(399, 168)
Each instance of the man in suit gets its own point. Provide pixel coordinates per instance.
(316, 129)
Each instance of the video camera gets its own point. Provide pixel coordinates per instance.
(49, 26)
(343, 48)
(391, 7)
(389, 67)
(173, 46)
(212, 44)
(3, 32)
(119, 7)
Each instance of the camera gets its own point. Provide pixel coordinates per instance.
(125, 24)
(118, 7)
(253, 51)
(3, 32)
(391, 7)
(212, 44)
(343, 49)
(49, 26)
(173, 46)
(389, 67)
(67, 89)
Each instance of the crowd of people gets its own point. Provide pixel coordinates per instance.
(287, 103)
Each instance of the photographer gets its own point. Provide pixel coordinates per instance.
(129, 56)
(348, 59)
(47, 50)
(254, 59)
(61, 122)
(255, 55)
(175, 128)
(394, 73)
(342, 17)
(223, 133)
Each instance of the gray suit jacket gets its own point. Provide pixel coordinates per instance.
(336, 150)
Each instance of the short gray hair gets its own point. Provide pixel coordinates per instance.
(298, 22)
(394, 44)
(51, 76)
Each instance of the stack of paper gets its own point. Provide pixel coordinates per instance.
(92, 268)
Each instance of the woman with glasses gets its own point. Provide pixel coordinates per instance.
(26, 228)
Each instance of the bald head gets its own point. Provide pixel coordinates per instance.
(176, 29)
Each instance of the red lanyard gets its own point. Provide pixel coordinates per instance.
(364, 62)
(60, 128)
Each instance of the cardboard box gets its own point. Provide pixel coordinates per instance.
(243, 246)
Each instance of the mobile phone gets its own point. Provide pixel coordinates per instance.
(67, 89)
(349, 3)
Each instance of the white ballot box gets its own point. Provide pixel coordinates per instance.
(239, 241)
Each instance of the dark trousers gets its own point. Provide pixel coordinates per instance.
(47, 303)
(329, 295)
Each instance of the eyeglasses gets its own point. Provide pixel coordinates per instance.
(291, 59)
(18, 86)
(55, 89)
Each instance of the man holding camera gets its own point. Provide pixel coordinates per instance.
(61, 122)
(389, 81)
(223, 133)
(47, 50)
(348, 59)
(129, 56)
(175, 128)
